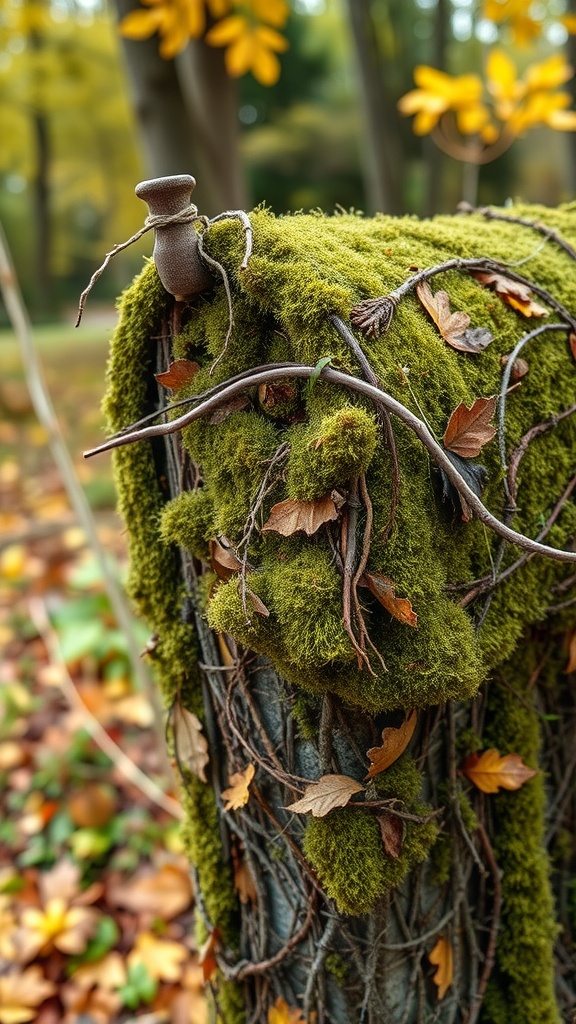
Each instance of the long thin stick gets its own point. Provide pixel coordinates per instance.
(44, 410)
(133, 773)
(273, 372)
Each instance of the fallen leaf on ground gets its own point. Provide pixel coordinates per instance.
(56, 926)
(190, 743)
(392, 832)
(179, 373)
(517, 295)
(491, 772)
(394, 743)
(281, 1013)
(223, 560)
(323, 796)
(162, 958)
(163, 893)
(109, 972)
(98, 1006)
(442, 957)
(290, 516)
(21, 994)
(469, 429)
(92, 806)
(454, 327)
(383, 589)
(207, 955)
(238, 791)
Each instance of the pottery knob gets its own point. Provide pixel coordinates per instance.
(175, 254)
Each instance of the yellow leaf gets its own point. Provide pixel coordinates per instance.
(273, 12)
(323, 796)
(569, 22)
(442, 956)
(109, 973)
(238, 793)
(281, 1013)
(140, 24)
(548, 74)
(162, 958)
(21, 994)
(491, 772)
(227, 30)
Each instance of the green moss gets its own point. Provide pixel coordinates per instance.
(329, 453)
(401, 780)
(188, 520)
(337, 967)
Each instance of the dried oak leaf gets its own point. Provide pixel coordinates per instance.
(292, 515)
(392, 832)
(454, 327)
(383, 589)
(469, 429)
(491, 772)
(190, 743)
(21, 994)
(517, 295)
(179, 373)
(281, 1013)
(394, 743)
(323, 796)
(442, 957)
(238, 792)
(223, 560)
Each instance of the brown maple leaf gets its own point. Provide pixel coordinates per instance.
(454, 327)
(179, 373)
(442, 957)
(516, 294)
(238, 792)
(491, 772)
(469, 429)
(383, 589)
(394, 743)
(292, 515)
(323, 796)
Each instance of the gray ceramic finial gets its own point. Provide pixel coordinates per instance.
(175, 254)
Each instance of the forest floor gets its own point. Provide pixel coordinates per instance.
(95, 896)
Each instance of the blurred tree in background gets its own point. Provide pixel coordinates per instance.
(293, 104)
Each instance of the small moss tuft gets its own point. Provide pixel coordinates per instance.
(328, 453)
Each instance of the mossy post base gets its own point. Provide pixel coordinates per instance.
(291, 668)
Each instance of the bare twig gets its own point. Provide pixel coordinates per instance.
(275, 372)
(543, 229)
(131, 771)
(494, 928)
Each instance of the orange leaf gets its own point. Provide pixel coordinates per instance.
(454, 327)
(514, 293)
(20, 994)
(442, 957)
(469, 429)
(162, 958)
(572, 343)
(323, 796)
(207, 955)
(190, 743)
(287, 517)
(179, 373)
(571, 666)
(238, 793)
(281, 1013)
(383, 589)
(109, 972)
(491, 772)
(394, 743)
(165, 892)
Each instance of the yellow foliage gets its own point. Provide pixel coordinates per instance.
(518, 15)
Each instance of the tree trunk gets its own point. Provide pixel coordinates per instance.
(186, 113)
(422, 897)
(434, 158)
(383, 163)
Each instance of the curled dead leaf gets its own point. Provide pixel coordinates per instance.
(571, 666)
(519, 369)
(238, 791)
(207, 955)
(491, 772)
(394, 743)
(442, 957)
(469, 429)
(323, 796)
(383, 589)
(290, 516)
(179, 373)
(258, 605)
(454, 327)
(190, 743)
(392, 832)
(224, 562)
(514, 293)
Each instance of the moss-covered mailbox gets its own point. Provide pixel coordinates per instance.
(329, 538)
